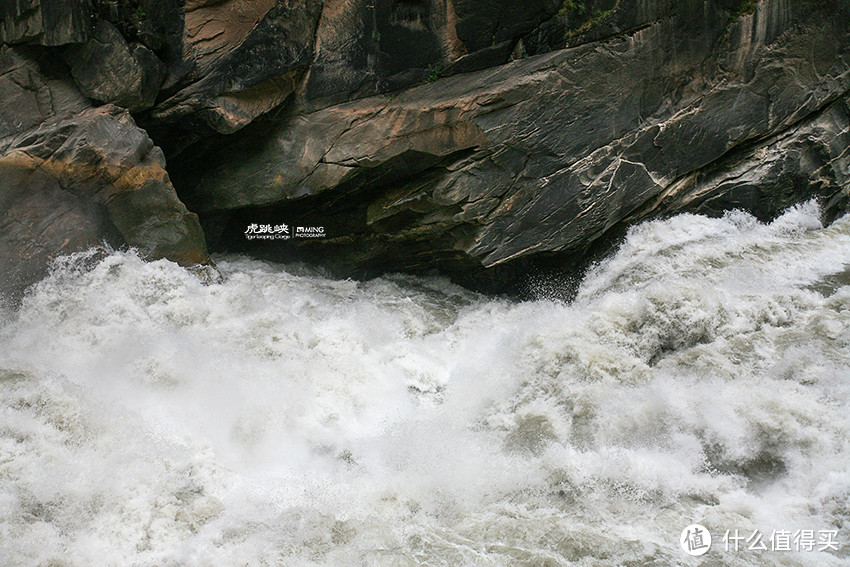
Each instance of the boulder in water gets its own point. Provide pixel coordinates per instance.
(72, 176)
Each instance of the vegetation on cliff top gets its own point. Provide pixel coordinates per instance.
(578, 18)
(745, 7)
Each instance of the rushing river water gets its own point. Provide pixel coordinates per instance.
(277, 417)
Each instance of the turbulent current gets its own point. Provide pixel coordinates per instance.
(274, 417)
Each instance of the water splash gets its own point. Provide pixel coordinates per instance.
(277, 417)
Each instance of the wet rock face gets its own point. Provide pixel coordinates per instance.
(368, 47)
(77, 182)
(73, 176)
(239, 61)
(549, 154)
(479, 138)
(45, 22)
(33, 90)
(482, 25)
(809, 159)
(108, 69)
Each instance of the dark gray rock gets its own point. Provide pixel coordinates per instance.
(240, 60)
(32, 92)
(655, 107)
(72, 183)
(157, 24)
(810, 159)
(41, 220)
(365, 48)
(108, 69)
(541, 156)
(72, 177)
(45, 22)
(583, 21)
(484, 24)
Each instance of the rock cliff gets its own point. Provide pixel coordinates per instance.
(481, 139)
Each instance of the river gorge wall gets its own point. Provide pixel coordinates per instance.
(479, 139)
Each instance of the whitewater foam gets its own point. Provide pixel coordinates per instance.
(277, 417)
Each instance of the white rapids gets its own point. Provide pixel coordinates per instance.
(276, 417)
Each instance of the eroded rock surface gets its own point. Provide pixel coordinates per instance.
(45, 22)
(108, 69)
(73, 176)
(548, 154)
(243, 60)
(478, 138)
(364, 48)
